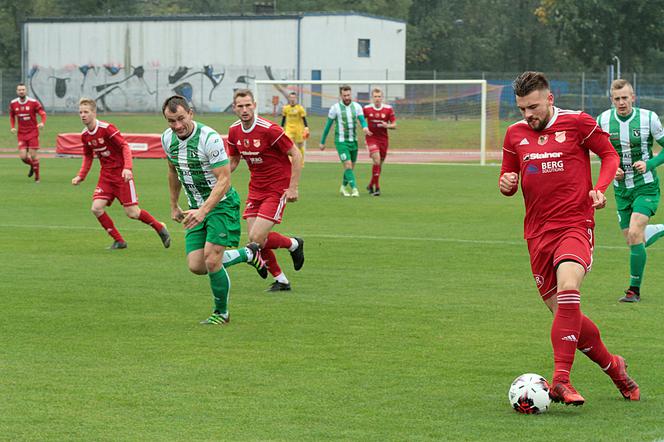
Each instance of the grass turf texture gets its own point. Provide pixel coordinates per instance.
(418, 133)
(411, 317)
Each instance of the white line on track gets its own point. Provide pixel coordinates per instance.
(320, 235)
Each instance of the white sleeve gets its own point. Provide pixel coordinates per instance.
(332, 114)
(656, 128)
(214, 150)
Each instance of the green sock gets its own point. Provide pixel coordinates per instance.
(349, 177)
(236, 256)
(637, 263)
(653, 233)
(221, 287)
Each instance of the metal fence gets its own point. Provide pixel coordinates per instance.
(210, 88)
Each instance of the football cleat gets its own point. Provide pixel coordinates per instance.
(278, 287)
(257, 261)
(355, 193)
(628, 388)
(298, 254)
(630, 296)
(118, 245)
(376, 192)
(344, 191)
(165, 236)
(565, 394)
(217, 318)
(370, 189)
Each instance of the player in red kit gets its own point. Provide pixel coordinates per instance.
(550, 149)
(380, 117)
(116, 179)
(275, 164)
(25, 110)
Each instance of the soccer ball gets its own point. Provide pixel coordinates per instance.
(529, 394)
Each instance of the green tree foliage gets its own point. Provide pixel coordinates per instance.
(593, 31)
(447, 35)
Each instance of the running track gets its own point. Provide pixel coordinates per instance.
(329, 155)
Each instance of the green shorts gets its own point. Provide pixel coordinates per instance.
(221, 226)
(347, 151)
(643, 200)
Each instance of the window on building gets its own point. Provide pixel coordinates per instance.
(364, 47)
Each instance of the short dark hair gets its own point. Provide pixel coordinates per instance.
(344, 87)
(20, 84)
(528, 82)
(172, 103)
(243, 93)
(620, 83)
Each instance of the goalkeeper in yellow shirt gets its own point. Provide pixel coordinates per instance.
(294, 122)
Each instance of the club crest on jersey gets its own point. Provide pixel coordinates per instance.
(257, 143)
(636, 133)
(246, 142)
(542, 140)
(382, 115)
(560, 136)
(539, 280)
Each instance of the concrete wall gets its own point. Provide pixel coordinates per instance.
(134, 65)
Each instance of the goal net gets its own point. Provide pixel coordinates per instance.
(443, 120)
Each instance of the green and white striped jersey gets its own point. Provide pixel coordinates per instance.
(345, 118)
(194, 159)
(633, 138)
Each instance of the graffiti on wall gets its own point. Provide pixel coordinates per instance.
(139, 89)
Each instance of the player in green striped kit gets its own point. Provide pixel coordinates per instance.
(636, 186)
(198, 162)
(344, 114)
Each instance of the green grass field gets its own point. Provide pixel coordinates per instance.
(418, 133)
(411, 317)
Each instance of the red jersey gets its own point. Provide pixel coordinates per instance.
(554, 165)
(26, 112)
(106, 143)
(374, 116)
(264, 147)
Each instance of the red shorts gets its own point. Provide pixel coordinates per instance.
(28, 141)
(550, 248)
(109, 188)
(378, 146)
(269, 207)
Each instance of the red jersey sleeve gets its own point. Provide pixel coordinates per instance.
(510, 160)
(87, 161)
(12, 116)
(278, 139)
(42, 113)
(597, 141)
(115, 137)
(231, 148)
(392, 117)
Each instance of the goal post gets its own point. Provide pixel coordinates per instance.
(459, 118)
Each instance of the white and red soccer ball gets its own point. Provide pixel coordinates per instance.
(529, 394)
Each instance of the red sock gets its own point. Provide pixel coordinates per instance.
(145, 217)
(107, 223)
(375, 172)
(565, 332)
(277, 241)
(35, 167)
(270, 261)
(590, 344)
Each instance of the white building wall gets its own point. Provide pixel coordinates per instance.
(135, 65)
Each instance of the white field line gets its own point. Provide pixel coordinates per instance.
(319, 235)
